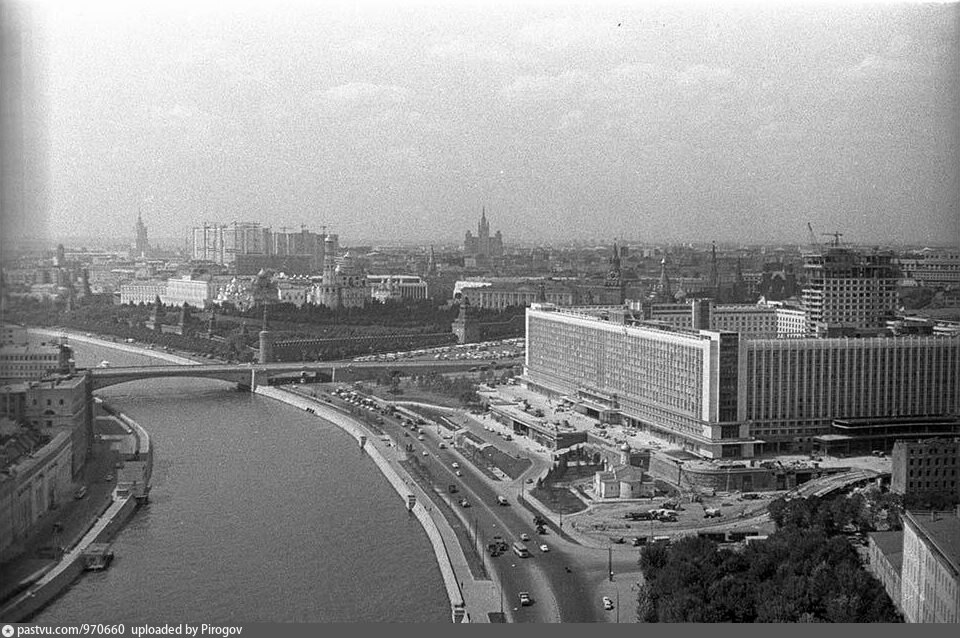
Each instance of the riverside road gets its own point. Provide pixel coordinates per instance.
(567, 582)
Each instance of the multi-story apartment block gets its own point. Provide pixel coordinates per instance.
(792, 323)
(34, 361)
(937, 269)
(13, 335)
(221, 243)
(754, 321)
(723, 396)
(49, 406)
(848, 289)
(930, 581)
(751, 321)
(249, 247)
(927, 467)
(31, 486)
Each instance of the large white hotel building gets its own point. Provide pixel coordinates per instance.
(722, 394)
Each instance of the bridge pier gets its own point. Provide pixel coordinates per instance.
(252, 385)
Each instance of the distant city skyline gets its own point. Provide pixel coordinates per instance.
(393, 123)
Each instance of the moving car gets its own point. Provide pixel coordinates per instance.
(544, 548)
(464, 502)
(524, 537)
(525, 599)
(502, 501)
(458, 473)
(607, 603)
(455, 465)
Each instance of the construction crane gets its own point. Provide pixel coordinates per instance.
(813, 238)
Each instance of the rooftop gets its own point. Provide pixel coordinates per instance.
(942, 529)
(890, 545)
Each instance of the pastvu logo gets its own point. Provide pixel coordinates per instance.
(7, 631)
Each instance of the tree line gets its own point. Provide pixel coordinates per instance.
(806, 571)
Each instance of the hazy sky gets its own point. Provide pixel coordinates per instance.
(398, 121)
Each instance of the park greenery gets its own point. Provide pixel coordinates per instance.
(807, 571)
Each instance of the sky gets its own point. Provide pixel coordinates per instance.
(396, 122)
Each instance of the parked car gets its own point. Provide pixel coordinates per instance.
(525, 599)
(524, 536)
(544, 548)
(607, 603)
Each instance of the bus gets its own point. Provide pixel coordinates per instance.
(521, 550)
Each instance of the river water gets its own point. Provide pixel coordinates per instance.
(258, 512)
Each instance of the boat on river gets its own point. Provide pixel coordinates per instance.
(97, 557)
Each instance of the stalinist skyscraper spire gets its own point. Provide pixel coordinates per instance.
(141, 246)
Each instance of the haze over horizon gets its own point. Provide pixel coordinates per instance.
(398, 122)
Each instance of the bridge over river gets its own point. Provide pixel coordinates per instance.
(251, 375)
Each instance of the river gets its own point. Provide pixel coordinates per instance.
(259, 512)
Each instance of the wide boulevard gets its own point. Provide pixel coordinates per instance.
(566, 582)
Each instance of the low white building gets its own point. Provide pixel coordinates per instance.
(621, 481)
